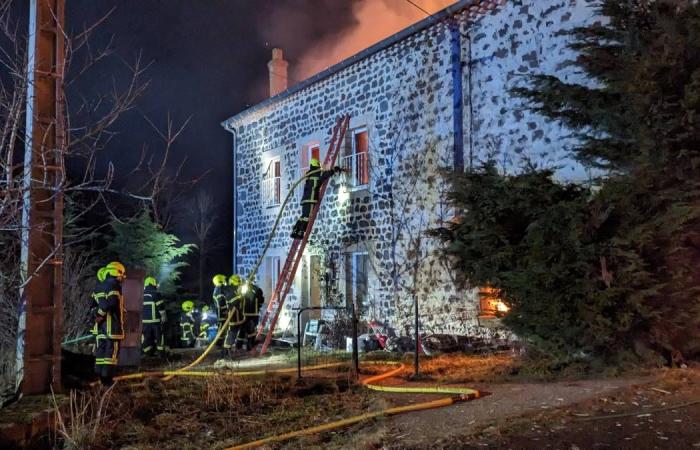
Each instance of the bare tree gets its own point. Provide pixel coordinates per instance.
(202, 216)
(81, 171)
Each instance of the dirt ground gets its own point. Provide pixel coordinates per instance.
(639, 411)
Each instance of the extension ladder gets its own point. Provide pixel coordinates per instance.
(296, 252)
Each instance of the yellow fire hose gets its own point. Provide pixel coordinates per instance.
(249, 280)
(461, 395)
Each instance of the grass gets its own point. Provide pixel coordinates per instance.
(79, 422)
(213, 412)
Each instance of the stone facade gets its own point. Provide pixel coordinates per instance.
(403, 94)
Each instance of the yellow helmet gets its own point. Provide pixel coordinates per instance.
(187, 305)
(150, 281)
(102, 274)
(314, 163)
(205, 309)
(234, 280)
(219, 280)
(115, 269)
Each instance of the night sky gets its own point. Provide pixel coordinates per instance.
(208, 61)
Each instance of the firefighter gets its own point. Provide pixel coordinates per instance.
(234, 306)
(97, 293)
(220, 302)
(252, 301)
(187, 324)
(153, 318)
(313, 184)
(206, 322)
(110, 323)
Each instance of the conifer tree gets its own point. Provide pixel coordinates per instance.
(142, 244)
(617, 270)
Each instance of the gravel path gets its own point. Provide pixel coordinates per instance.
(422, 429)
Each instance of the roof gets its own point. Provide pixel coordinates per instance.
(476, 7)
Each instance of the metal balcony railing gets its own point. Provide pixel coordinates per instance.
(271, 191)
(357, 167)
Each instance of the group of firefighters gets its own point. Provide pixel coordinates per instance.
(243, 301)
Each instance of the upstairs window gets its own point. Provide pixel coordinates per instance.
(309, 151)
(356, 159)
(272, 184)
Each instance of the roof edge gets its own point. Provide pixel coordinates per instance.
(379, 46)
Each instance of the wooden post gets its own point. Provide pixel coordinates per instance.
(39, 359)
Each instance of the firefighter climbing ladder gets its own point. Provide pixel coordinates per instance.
(296, 252)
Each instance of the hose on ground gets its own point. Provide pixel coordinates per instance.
(251, 275)
(460, 395)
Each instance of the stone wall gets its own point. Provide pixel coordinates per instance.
(403, 95)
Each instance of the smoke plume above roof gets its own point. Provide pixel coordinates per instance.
(365, 22)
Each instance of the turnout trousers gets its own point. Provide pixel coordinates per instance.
(303, 222)
(247, 333)
(151, 338)
(106, 357)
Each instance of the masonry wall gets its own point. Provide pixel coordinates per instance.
(403, 95)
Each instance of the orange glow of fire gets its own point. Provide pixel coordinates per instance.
(493, 302)
(375, 20)
(502, 307)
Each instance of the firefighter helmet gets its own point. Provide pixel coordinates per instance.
(314, 163)
(234, 280)
(219, 280)
(116, 269)
(150, 281)
(102, 274)
(205, 309)
(187, 305)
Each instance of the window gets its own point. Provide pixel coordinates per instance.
(272, 184)
(273, 267)
(356, 159)
(356, 278)
(490, 303)
(308, 151)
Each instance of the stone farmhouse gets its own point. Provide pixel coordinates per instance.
(434, 96)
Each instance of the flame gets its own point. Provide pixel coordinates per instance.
(494, 304)
(376, 20)
(502, 307)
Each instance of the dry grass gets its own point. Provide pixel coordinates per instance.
(224, 392)
(457, 368)
(80, 422)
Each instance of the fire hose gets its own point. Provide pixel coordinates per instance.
(250, 277)
(458, 395)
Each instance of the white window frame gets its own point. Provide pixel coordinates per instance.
(273, 269)
(353, 161)
(271, 185)
(306, 150)
(352, 298)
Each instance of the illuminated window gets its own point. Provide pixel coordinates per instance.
(272, 184)
(356, 159)
(491, 304)
(308, 151)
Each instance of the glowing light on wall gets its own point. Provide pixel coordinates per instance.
(343, 194)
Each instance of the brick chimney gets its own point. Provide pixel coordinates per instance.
(278, 72)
